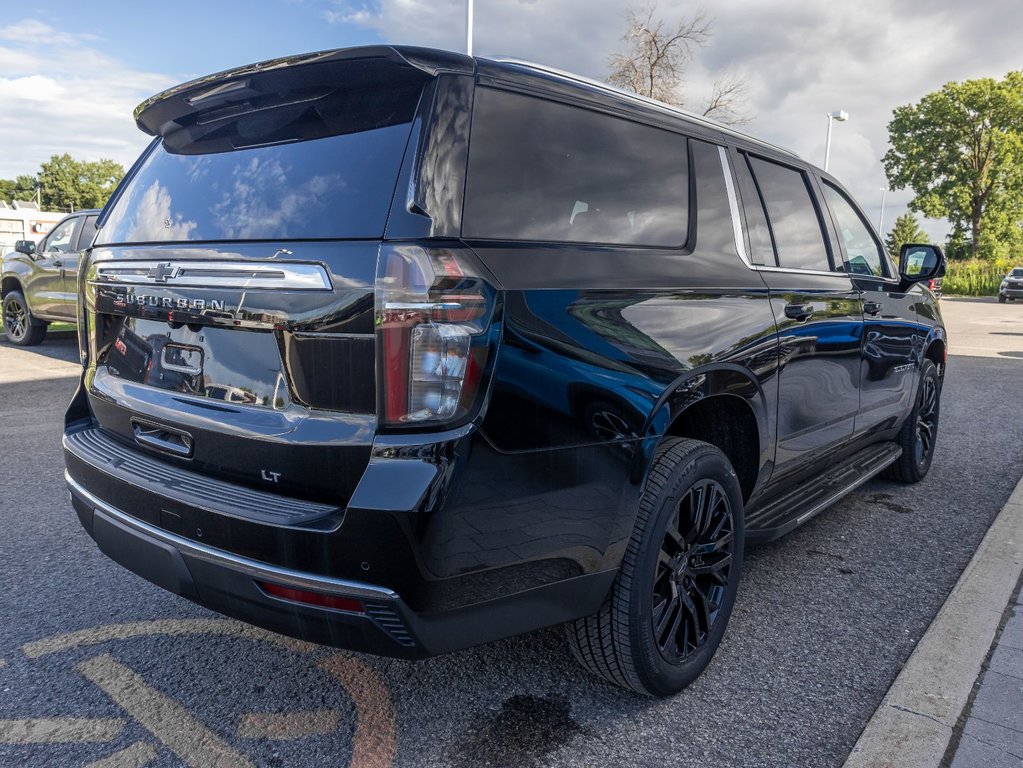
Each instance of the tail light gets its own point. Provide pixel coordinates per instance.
(433, 314)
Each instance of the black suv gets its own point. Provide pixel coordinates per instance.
(39, 285)
(404, 351)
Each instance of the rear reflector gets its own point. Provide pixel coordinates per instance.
(312, 598)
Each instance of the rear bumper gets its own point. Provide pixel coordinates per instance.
(104, 489)
(227, 583)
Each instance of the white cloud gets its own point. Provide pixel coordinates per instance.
(803, 59)
(66, 96)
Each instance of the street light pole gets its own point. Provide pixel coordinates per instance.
(880, 219)
(468, 27)
(841, 116)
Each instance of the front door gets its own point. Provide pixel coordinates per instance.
(892, 341)
(45, 286)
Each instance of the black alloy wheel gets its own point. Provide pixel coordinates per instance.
(20, 326)
(926, 420)
(669, 606)
(919, 433)
(692, 572)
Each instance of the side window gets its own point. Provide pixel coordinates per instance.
(87, 233)
(762, 251)
(60, 238)
(798, 238)
(541, 170)
(863, 254)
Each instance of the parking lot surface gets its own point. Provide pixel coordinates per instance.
(98, 666)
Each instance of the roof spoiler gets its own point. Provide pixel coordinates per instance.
(274, 82)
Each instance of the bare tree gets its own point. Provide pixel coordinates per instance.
(655, 60)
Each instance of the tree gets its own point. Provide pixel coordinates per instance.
(69, 184)
(656, 57)
(906, 230)
(21, 188)
(960, 150)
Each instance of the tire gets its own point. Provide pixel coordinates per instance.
(1001, 299)
(20, 326)
(662, 579)
(918, 435)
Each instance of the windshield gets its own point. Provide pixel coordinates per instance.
(1017, 272)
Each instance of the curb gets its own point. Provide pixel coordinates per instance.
(914, 723)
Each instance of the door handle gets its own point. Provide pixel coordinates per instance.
(162, 439)
(58, 263)
(872, 307)
(798, 312)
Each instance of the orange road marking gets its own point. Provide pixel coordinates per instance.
(374, 743)
(171, 627)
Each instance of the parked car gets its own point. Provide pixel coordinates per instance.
(934, 284)
(1011, 287)
(38, 285)
(431, 392)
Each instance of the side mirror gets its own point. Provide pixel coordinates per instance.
(26, 247)
(919, 262)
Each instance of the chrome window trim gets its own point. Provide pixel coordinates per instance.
(240, 275)
(737, 232)
(733, 207)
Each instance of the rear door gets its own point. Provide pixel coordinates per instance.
(892, 341)
(817, 311)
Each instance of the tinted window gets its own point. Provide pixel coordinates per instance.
(60, 238)
(334, 187)
(87, 233)
(539, 170)
(761, 249)
(863, 254)
(797, 231)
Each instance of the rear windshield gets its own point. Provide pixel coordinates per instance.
(337, 187)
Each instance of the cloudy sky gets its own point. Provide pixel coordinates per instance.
(71, 72)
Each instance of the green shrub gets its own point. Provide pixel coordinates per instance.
(974, 277)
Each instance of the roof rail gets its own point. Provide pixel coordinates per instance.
(659, 105)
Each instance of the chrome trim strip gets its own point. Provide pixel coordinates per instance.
(241, 275)
(660, 105)
(218, 557)
(733, 207)
(820, 272)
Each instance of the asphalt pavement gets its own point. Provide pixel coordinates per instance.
(98, 665)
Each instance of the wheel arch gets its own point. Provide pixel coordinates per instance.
(10, 283)
(725, 406)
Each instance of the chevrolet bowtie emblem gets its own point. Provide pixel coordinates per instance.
(163, 272)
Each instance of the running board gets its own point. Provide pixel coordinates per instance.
(808, 499)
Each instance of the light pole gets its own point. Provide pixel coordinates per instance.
(468, 27)
(880, 219)
(841, 116)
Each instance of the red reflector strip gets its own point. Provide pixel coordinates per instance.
(312, 598)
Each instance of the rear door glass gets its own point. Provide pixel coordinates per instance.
(798, 237)
(542, 170)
